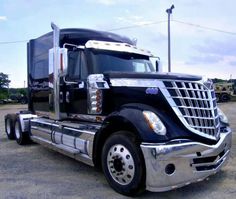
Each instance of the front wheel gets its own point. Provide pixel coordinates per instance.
(123, 164)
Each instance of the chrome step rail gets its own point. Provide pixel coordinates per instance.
(72, 139)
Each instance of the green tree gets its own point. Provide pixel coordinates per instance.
(4, 81)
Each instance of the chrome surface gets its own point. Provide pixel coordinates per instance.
(17, 130)
(193, 161)
(195, 105)
(89, 118)
(69, 138)
(41, 128)
(24, 121)
(128, 82)
(54, 84)
(42, 113)
(68, 151)
(115, 46)
(8, 126)
(95, 94)
(63, 63)
(69, 82)
(120, 164)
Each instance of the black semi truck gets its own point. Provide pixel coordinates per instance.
(96, 97)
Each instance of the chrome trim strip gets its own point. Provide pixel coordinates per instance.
(191, 98)
(80, 131)
(90, 118)
(205, 118)
(42, 113)
(116, 46)
(129, 82)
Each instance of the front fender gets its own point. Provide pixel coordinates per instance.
(130, 118)
(132, 115)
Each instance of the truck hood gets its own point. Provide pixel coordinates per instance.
(152, 75)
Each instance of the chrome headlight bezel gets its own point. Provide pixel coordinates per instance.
(154, 122)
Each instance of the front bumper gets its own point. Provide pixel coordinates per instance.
(181, 162)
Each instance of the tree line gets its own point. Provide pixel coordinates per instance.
(5, 91)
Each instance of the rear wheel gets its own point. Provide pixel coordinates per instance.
(22, 138)
(10, 126)
(123, 164)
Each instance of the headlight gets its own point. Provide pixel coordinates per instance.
(154, 122)
(222, 116)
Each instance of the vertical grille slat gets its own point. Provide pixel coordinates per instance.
(197, 104)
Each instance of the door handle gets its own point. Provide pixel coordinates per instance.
(61, 97)
(67, 97)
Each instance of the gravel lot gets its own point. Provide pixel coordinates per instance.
(36, 172)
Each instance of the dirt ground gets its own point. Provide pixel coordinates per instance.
(33, 172)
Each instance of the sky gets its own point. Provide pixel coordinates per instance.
(203, 33)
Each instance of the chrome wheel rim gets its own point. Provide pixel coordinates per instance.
(17, 130)
(120, 164)
(8, 127)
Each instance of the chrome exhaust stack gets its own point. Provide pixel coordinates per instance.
(54, 74)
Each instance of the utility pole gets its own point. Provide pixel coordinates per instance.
(169, 12)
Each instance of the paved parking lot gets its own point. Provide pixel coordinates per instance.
(32, 172)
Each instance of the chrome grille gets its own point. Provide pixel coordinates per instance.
(195, 105)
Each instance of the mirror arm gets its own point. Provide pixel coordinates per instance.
(68, 82)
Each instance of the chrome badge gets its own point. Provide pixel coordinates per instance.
(152, 91)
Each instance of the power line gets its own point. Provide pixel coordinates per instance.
(145, 24)
(205, 27)
(13, 42)
(137, 25)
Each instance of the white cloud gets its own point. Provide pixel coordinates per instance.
(3, 18)
(134, 20)
(107, 2)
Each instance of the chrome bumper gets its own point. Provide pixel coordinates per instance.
(181, 162)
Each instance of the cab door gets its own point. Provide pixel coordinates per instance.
(75, 91)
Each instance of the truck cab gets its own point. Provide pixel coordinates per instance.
(96, 97)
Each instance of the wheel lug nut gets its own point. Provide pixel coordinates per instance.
(130, 167)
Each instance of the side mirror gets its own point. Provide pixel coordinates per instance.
(158, 66)
(156, 63)
(61, 62)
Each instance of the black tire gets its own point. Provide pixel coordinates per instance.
(124, 169)
(225, 97)
(22, 138)
(217, 97)
(23, 101)
(10, 120)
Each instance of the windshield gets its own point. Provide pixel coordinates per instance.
(119, 61)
